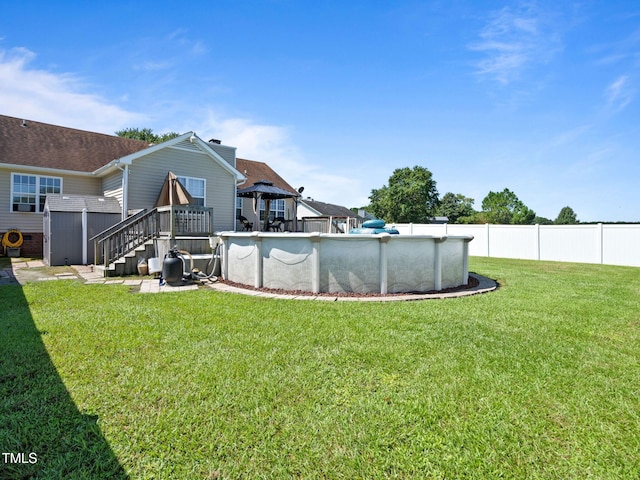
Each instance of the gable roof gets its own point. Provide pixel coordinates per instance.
(328, 209)
(256, 171)
(187, 142)
(36, 144)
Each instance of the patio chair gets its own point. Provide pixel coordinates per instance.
(277, 223)
(246, 224)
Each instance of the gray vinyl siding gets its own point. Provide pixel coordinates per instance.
(112, 186)
(148, 173)
(32, 222)
(227, 153)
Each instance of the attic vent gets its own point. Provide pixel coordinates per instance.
(24, 123)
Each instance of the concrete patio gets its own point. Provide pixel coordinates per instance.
(24, 271)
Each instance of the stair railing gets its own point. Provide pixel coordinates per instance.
(170, 221)
(123, 237)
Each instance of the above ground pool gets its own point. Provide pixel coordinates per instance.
(338, 263)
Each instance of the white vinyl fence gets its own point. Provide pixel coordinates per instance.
(599, 243)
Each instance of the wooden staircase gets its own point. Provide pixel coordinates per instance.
(128, 263)
(149, 233)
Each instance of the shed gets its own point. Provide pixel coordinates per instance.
(69, 221)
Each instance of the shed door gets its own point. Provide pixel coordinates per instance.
(65, 238)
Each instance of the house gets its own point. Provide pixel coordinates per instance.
(37, 159)
(326, 217)
(256, 172)
(309, 207)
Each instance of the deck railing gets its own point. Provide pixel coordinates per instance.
(171, 221)
(185, 220)
(330, 224)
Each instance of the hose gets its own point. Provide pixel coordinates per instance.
(184, 252)
(7, 243)
(215, 257)
(197, 275)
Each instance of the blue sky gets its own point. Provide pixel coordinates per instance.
(540, 97)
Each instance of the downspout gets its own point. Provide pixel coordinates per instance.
(125, 188)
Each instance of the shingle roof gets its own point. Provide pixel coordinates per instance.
(76, 203)
(256, 171)
(35, 144)
(328, 209)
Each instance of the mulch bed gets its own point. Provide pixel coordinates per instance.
(471, 283)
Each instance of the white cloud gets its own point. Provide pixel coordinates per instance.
(55, 98)
(625, 49)
(511, 41)
(619, 93)
(273, 145)
(570, 136)
(153, 66)
(193, 47)
(61, 99)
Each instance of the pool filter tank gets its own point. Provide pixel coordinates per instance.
(172, 267)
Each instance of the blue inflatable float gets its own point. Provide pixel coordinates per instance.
(374, 227)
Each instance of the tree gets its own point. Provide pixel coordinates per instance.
(146, 134)
(542, 221)
(566, 217)
(410, 196)
(505, 208)
(456, 207)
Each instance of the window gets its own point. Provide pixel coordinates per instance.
(276, 209)
(29, 192)
(238, 207)
(196, 187)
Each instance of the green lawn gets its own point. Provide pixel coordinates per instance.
(540, 379)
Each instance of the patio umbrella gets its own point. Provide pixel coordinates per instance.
(264, 190)
(173, 192)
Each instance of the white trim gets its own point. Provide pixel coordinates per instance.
(185, 149)
(85, 235)
(203, 180)
(43, 170)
